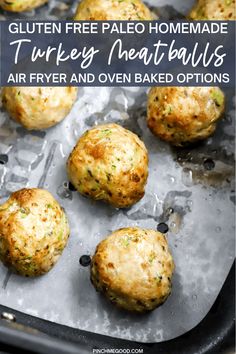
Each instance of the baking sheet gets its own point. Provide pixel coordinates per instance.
(192, 190)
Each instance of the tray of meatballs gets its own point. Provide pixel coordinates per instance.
(116, 204)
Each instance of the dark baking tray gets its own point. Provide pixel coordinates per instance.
(215, 334)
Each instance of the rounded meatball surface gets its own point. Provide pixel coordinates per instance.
(112, 10)
(213, 10)
(21, 5)
(109, 163)
(133, 268)
(183, 115)
(33, 231)
(38, 107)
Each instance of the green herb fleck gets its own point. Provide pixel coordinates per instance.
(152, 257)
(60, 235)
(24, 212)
(167, 110)
(105, 132)
(218, 97)
(158, 278)
(126, 240)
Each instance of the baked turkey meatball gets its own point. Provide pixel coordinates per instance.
(133, 268)
(182, 115)
(213, 10)
(33, 231)
(21, 5)
(108, 10)
(109, 163)
(38, 107)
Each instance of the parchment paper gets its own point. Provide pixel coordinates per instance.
(194, 197)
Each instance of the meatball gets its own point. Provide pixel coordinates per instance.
(21, 5)
(109, 163)
(38, 107)
(133, 268)
(213, 10)
(33, 231)
(112, 10)
(183, 115)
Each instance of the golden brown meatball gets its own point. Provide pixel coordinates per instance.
(33, 231)
(109, 163)
(38, 107)
(21, 5)
(182, 115)
(108, 10)
(213, 10)
(133, 268)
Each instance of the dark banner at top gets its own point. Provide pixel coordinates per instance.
(121, 53)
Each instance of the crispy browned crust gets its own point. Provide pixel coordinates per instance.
(109, 163)
(33, 231)
(213, 10)
(108, 10)
(21, 5)
(133, 268)
(182, 115)
(38, 107)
